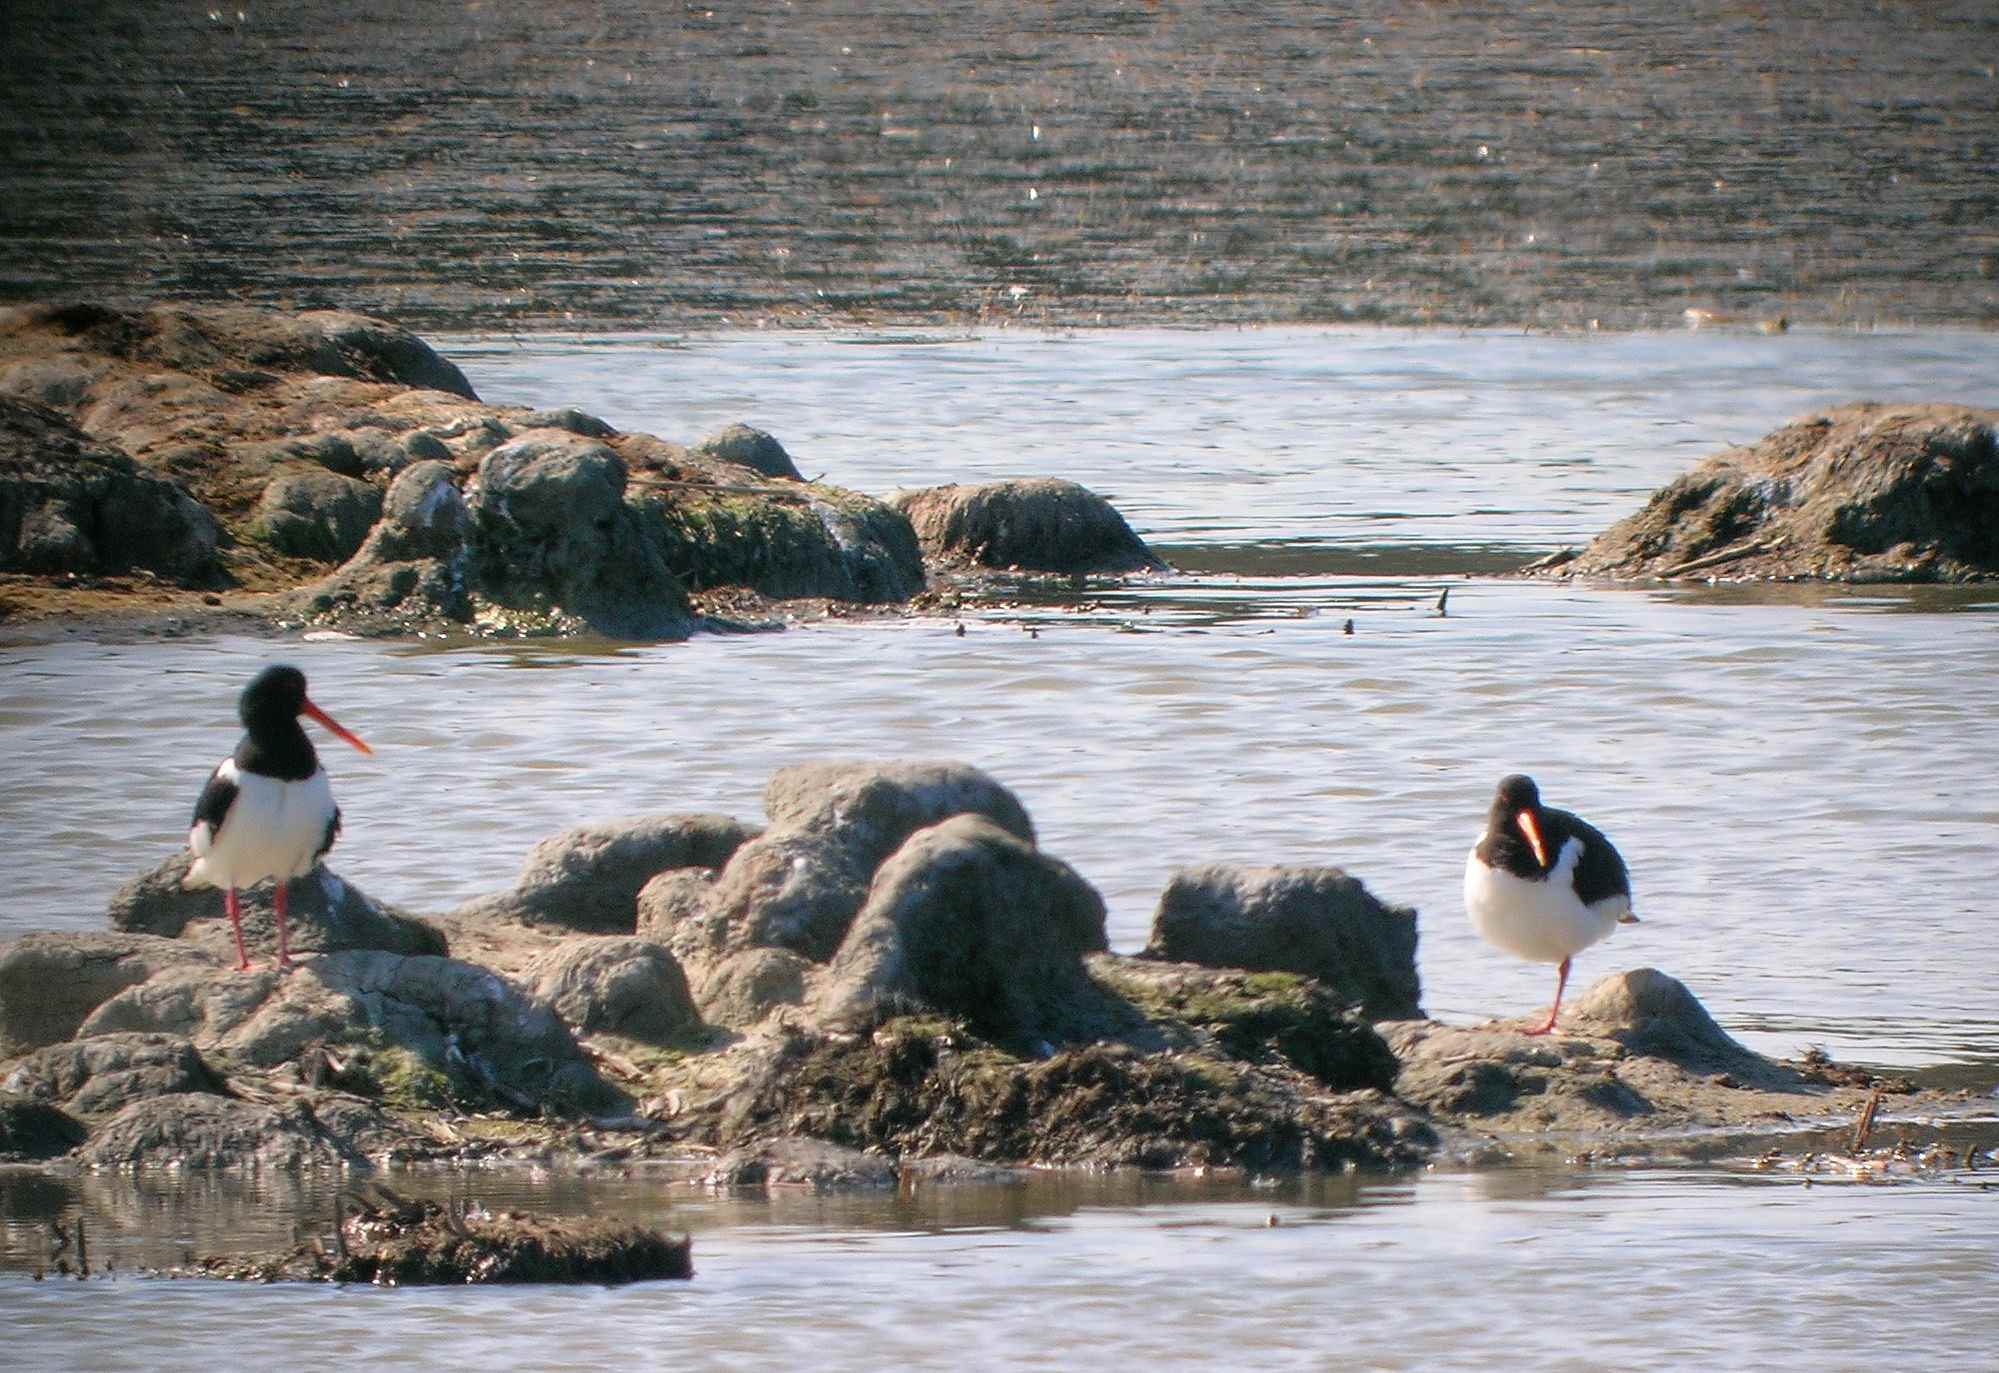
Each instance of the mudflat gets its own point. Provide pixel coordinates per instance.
(508, 164)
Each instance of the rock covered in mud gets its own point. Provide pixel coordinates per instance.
(1863, 492)
(1320, 922)
(1039, 524)
(588, 878)
(69, 504)
(50, 983)
(325, 912)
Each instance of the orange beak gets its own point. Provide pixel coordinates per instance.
(338, 730)
(1531, 827)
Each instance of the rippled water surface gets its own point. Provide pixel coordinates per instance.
(1801, 780)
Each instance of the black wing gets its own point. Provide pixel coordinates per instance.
(211, 808)
(332, 833)
(1602, 872)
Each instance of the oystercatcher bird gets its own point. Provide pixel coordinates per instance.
(267, 810)
(1543, 884)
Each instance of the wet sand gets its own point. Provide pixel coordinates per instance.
(501, 165)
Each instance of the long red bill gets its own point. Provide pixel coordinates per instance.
(338, 730)
(1531, 827)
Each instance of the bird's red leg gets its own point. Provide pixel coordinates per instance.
(284, 932)
(236, 928)
(1561, 981)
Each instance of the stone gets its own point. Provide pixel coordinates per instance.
(316, 514)
(551, 533)
(1863, 492)
(751, 448)
(588, 878)
(69, 503)
(50, 983)
(615, 984)
(968, 919)
(326, 914)
(1318, 922)
(199, 1130)
(1040, 524)
(101, 1075)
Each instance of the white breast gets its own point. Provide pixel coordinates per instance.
(273, 829)
(1543, 920)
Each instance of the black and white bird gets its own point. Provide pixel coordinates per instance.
(267, 811)
(1543, 884)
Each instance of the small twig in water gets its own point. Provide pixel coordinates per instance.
(1865, 1125)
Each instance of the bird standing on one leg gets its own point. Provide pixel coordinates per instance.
(1543, 884)
(267, 810)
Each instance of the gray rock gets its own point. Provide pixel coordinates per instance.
(71, 504)
(588, 878)
(1653, 1014)
(615, 985)
(742, 989)
(833, 544)
(1862, 492)
(569, 419)
(202, 1131)
(60, 383)
(326, 914)
(411, 569)
(874, 807)
(1040, 524)
(552, 534)
(751, 448)
(798, 885)
(459, 1018)
(799, 1162)
(100, 1076)
(1318, 922)
(316, 514)
(50, 983)
(969, 920)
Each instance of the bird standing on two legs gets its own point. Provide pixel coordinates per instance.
(1543, 884)
(267, 810)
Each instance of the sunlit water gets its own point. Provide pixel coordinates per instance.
(1801, 780)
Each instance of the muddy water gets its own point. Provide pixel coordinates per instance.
(1800, 779)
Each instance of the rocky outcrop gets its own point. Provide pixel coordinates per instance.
(1039, 524)
(1865, 493)
(1319, 922)
(233, 445)
(326, 914)
(69, 504)
(893, 969)
(588, 878)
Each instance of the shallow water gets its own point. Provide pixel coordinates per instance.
(1799, 777)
